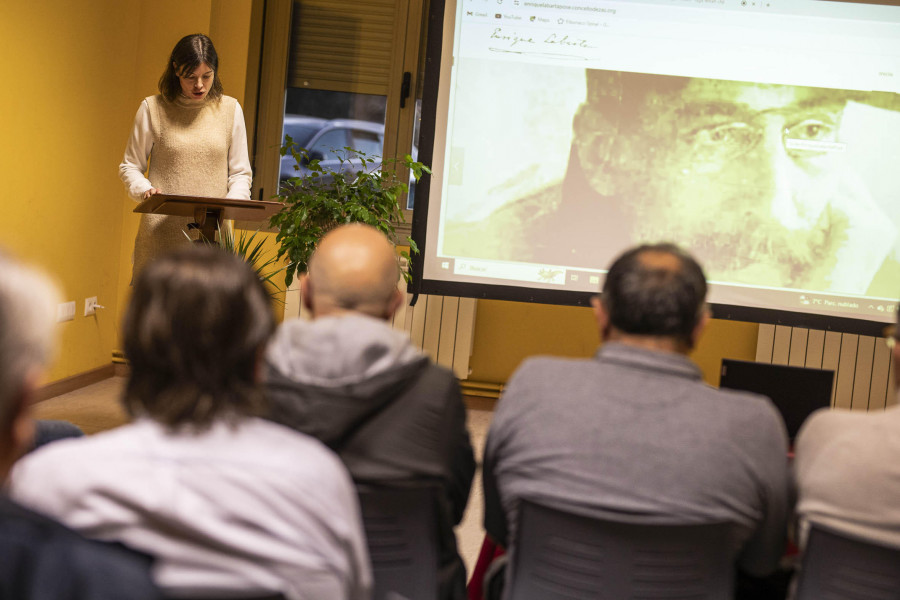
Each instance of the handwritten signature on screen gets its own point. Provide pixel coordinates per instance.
(546, 44)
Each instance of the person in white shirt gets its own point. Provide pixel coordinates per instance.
(846, 476)
(190, 140)
(227, 502)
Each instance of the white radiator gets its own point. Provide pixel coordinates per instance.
(862, 364)
(441, 326)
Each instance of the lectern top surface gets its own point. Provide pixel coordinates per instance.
(225, 208)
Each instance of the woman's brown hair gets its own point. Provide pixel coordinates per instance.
(194, 332)
(190, 52)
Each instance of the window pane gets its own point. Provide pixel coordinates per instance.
(366, 141)
(302, 129)
(330, 145)
(414, 152)
(335, 105)
(311, 113)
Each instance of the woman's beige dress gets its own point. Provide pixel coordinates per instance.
(190, 158)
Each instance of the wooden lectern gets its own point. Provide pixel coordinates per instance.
(209, 212)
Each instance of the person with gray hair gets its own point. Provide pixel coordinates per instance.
(27, 305)
(362, 388)
(634, 433)
(39, 558)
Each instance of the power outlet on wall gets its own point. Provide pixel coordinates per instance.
(90, 306)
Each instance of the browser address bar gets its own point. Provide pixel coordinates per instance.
(566, 6)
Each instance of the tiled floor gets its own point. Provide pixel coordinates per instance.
(96, 408)
(93, 408)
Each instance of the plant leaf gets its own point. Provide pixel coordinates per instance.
(319, 199)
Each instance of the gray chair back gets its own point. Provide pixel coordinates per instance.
(565, 556)
(401, 531)
(839, 567)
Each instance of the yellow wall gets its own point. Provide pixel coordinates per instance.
(67, 73)
(508, 332)
(74, 74)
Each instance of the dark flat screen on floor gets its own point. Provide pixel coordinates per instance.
(795, 391)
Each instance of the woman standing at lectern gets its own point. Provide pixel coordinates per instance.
(194, 139)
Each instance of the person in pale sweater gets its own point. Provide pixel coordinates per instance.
(847, 474)
(228, 503)
(190, 140)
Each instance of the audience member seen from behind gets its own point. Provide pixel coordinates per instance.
(362, 388)
(634, 432)
(227, 502)
(39, 558)
(847, 475)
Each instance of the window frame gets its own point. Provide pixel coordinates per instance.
(267, 74)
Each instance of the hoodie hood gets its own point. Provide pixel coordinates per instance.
(337, 352)
(330, 376)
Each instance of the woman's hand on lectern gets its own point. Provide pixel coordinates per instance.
(150, 192)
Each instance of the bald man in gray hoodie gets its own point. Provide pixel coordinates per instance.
(350, 380)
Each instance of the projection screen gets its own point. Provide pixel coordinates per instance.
(761, 135)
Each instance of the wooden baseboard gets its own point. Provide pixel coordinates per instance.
(479, 402)
(480, 395)
(75, 382)
(474, 398)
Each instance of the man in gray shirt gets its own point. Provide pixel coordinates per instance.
(634, 433)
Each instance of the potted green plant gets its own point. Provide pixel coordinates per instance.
(319, 199)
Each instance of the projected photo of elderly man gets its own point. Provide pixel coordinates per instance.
(761, 182)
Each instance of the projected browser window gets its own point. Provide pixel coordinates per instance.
(763, 136)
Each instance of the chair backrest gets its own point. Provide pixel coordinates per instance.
(401, 531)
(839, 567)
(560, 555)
